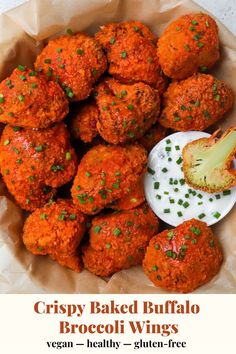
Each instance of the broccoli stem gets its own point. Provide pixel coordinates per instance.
(217, 155)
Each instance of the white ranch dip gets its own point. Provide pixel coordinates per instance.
(167, 193)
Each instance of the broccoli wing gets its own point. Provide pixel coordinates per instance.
(207, 162)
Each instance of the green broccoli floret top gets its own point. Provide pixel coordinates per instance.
(207, 162)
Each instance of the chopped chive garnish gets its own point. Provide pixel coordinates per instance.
(80, 51)
(97, 229)
(130, 107)
(212, 243)
(131, 134)
(68, 156)
(151, 171)
(227, 192)
(166, 211)
(179, 160)
(156, 185)
(168, 141)
(116, 232)
(217, 196)
(112, 40)
(172, 201)
(200, 196)
(177, 147)
(182, 181)
(195, 230)
(203, 68)
(200, 44)
(123, 54)
(72, 216)
(69, 32)
(177, 119)
(186, 204)
(201, 216)
(158, 196)
(56, 168)
(39, 148)
(6, 142)
(197, 37)
(21, 98)
(170, 235)
(180, 201)
(94, 71)
(154, 268)
(21, 67)
(168, 148)
(171, 254)
(186, 47)
(217, 215)
(164, 170)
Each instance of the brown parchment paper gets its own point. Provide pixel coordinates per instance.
(22, 33)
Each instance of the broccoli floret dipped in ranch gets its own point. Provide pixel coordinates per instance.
(207, 162)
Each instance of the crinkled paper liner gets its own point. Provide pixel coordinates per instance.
(22, 33)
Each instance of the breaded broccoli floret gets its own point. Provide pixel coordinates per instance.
(207, 162)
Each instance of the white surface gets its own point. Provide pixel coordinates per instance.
(197, 204)
(224, 10)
